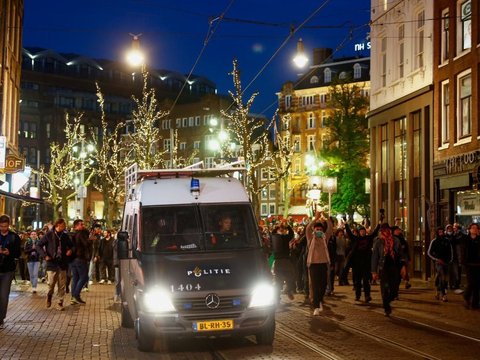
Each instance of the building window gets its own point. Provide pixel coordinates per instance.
(178, 123)
(357, 71)
(314, 80)
(297, 143)
(197, 120)
(48, 133)
(445, 136)
(196, 144)
(288, 101)
(465, 25)
(167, 144)
(311, 121)
(307, 100)
(183, 145)
(264, 194)
(445, 35)
(297, 166)
(401, 50)
(264, 210)
(343, 75)
(383, 62)
(209, 162)
(184, 122)
(166, 124)
(311, 142)
(191, 121)
(327, 75)
(271, 208)
(464, 86)
(272, 192)
(419, 40)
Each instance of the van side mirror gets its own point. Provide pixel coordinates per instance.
(122, 245)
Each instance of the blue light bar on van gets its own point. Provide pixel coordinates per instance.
(195, 186)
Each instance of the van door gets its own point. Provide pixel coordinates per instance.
(129, 275)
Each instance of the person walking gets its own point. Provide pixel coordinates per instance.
(282, 240)
(440, 251)
(318, 259)
(105, 251)
(471, 261)
(57, 247)
(361, 259)
(386, 260)
(33, 259)
(10, 250)
(404, 275)
(79, 265)
(94, 267)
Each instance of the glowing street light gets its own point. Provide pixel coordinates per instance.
(135, 56)
(300, 58)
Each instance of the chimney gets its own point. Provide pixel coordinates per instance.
(320, 55)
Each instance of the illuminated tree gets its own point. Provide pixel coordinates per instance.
(251, 134)
(111, 163)
(145, 141)
(57, 181)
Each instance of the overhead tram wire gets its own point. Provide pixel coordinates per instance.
(210, 32)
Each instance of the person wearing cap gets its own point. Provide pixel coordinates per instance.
(440, 251)
(318, 260)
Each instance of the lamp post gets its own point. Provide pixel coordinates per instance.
(81, 190)
(330, 185)
(313, 194)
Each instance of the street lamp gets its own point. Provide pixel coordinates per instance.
(330, 186)
(135, 56)
(300, 58)
(82, 152)
(313, 194)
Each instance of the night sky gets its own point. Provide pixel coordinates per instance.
(174, 33)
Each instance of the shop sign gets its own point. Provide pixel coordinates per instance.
(14, 164)
(463, 162)
(468, 203)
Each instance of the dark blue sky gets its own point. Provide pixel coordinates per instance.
(174, 34)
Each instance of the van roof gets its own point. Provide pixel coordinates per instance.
(176, 191)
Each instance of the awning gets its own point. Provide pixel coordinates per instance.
(21, 197)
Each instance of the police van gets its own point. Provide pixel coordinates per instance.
(191, 259)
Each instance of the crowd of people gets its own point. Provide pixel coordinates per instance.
(68, 261)
(308, 257)
(314, 255)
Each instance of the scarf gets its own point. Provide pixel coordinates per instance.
(387, 243)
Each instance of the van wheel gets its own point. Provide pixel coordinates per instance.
(145, 343)
(267, 335)
(126, 319)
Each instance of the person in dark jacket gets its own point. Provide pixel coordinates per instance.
(471, 261)
(10, 250)
(361, 257)
(79, 266)
(282, 240)
(398, 232)
(57, 248)
(386, 259)
(440, 251)
(105, 251)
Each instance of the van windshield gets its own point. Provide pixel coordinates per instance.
(198, 228)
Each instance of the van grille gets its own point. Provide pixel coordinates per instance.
(227, 303)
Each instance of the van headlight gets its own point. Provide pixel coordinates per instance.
(158, 300)
(263, 295)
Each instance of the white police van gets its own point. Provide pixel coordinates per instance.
(191, 259)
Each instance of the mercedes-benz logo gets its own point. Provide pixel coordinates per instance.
(212, 301)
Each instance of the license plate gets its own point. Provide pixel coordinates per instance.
(214, 325)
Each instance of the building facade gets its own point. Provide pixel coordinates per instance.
(456, 131)
(305, 104)
(401, 119)
(53, 84)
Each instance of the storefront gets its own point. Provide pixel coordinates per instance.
(457, 189)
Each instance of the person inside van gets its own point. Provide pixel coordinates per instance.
(163, 237)
(225, 236)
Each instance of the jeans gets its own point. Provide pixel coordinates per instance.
(5, 284)
(79, 270)
(33, 267)
(441, 279)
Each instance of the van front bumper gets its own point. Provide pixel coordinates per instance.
(247, 322)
